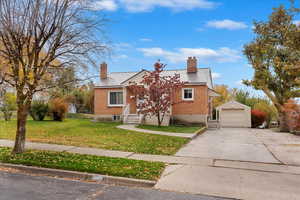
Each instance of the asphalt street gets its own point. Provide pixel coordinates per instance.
(15, 186)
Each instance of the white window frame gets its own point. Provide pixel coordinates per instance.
(188, 99)
(108, 99)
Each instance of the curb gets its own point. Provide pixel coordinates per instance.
(199, 132)
(83, 176)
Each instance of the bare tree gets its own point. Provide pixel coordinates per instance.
(38, 37)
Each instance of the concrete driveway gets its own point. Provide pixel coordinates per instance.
(253, 145)
(249, 164)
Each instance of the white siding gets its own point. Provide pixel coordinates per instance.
(234, 114)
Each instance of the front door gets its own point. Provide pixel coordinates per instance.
(133, 107)
(131, 102)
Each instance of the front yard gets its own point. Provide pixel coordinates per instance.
(84, 133)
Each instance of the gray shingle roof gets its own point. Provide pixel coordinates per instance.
(203, 76)
(115, 79)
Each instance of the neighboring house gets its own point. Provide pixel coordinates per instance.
(5, 89)
(113, 100)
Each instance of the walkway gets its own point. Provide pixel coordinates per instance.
(133, 128)
(111, 153)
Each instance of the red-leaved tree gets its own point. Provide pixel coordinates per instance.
(292, 110)
(156, 93)
(257, 118)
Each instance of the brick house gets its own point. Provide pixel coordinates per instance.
(113, 100)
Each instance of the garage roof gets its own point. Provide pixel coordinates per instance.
(233, 105)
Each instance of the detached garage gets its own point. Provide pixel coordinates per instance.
(234, 114)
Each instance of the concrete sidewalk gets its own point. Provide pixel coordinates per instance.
(110, 153)
(133, 128)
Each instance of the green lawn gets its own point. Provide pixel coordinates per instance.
(172, 128)
(86, 163)
(83, 132)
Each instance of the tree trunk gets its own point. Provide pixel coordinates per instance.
(21, 129)
(283, 122)
(158, 120)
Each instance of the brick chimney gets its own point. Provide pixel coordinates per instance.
(103, 71)
(192, 65)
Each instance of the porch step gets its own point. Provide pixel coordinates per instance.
(213, 124)
(132, 119)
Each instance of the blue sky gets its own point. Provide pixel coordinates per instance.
(143, 31)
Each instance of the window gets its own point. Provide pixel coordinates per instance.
(115, 98)
(116, 118)
(188, 94)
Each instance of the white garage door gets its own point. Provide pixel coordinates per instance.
(234, 118)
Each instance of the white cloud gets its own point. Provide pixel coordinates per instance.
(123, 46)
(215, 75)
(122, 56)
(148, 5)
(239, 83)
(146, 40)
(200, 29)
(177, 5)
(297, 22)
(226, 24)
(109, 5)
(220, 55)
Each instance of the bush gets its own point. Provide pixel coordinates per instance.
(58, 109)
(8, 105)
(270, 110)
(38, 110)
(257, 118)
(292, 110)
